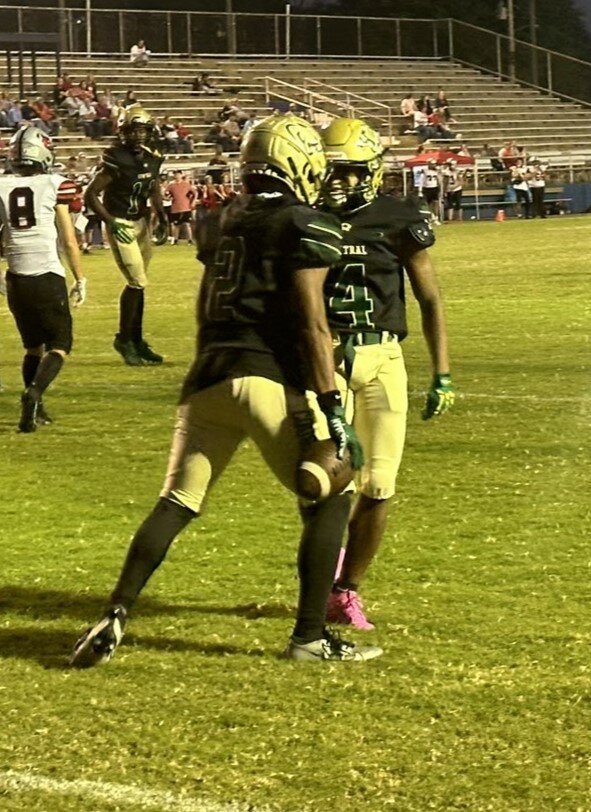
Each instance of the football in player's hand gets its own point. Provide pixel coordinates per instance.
(321, 473)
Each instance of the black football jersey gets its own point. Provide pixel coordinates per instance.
(365, 290)
(250, 251)
(134, 173)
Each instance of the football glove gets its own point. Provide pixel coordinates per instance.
(341, 433)
(78, 293)
(440, 397)
(122, 231)
(160, 232)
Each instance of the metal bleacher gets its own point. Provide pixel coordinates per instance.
(486, 108)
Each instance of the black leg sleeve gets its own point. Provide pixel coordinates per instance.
(129, 303)
(29, 368)
(47, 371)
(148, 549)
(324, 528)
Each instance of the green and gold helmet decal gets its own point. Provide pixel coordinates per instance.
(288, 148)
(355, 165)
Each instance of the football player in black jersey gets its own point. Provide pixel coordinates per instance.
(128, 178)
(384, 240)
(263, 340)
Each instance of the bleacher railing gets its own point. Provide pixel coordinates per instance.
(84, 29)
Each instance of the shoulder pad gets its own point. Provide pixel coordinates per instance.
(113, 159)
(319, 235)
(421, 233)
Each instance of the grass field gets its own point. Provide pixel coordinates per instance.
(482, 700)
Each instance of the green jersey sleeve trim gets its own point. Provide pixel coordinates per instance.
(324, 244)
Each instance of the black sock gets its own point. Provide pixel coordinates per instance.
(138, 319)
(324, 528)
(47, 370)
(29, 368)
(128, 305)
(148, 549)
(345, 586)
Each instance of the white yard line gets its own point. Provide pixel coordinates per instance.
(502, 396)
(116, 794)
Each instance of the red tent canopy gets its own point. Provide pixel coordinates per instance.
(439, 155)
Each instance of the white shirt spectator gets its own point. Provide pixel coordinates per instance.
(139, 54)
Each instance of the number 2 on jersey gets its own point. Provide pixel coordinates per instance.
(223, 287)
(351, 298)
(21, 208)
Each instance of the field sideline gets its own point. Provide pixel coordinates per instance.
(482, 700)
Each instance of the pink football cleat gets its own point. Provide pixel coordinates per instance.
(346, 608)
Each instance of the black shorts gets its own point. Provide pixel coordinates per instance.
(431, 193)
(180, 217)
(40, 308)
(454, 200)
(93, 221)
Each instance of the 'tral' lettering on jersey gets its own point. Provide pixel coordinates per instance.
(355, 250)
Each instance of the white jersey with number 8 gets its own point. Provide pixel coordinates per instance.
(27, 214)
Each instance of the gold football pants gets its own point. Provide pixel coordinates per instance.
(376, 401)
(212, 423)
(133, 259)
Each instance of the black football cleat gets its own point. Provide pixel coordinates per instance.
(43, 418)
(128, 351)
(97, 645)
(147, 354)
(29, 408)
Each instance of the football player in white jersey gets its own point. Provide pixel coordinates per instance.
(34, 213)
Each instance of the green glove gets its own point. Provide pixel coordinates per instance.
(440, 396)
(341, 433)
(122, 231)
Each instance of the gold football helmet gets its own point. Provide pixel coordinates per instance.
(287, 148)
(355, 165)
(136, 127)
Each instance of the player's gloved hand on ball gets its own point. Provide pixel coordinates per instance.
(78, 293)
(122, 231)
(341, 433)
(440, 396)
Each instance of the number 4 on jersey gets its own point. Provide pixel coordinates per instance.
(352, 298)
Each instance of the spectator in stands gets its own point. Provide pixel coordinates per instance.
(442, 106)
(46, 118)
(90, 82)
(203, 83)
(250, 122)
(63, 83)
(15, 115)
(464, 150)
(508, 153)
(139, 55)
(28, 112)
(130, 98)
(173, 143)
(231, 129)
(217, 164)
(232, 107)
(99, 124)
(185, 136)
(436, 120)
(5, 105)
(408, 106)
(536, 172)
(487, 151)
(426, 104)
(215, 135)
(519, 182)
(421, 124)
